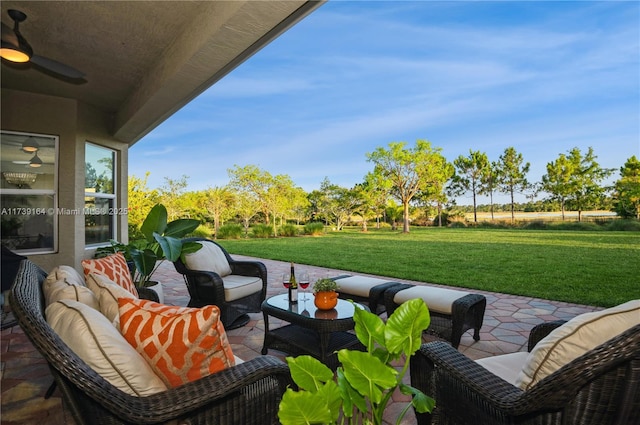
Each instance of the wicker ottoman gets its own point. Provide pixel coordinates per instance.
(452, 312)
(365, 290)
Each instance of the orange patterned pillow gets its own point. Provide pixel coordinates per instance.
(181, 344)
(114, 267)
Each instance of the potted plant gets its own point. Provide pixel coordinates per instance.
(365, 381)
(162, 242)
(325, 296)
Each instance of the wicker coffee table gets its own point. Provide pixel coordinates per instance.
(318, 333)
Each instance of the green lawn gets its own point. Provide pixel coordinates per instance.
(593, 268)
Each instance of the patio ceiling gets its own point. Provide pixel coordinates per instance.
(143, 60)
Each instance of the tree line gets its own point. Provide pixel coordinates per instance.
(403, 179)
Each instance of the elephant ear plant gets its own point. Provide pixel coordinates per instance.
(365, 381)
(162, 242)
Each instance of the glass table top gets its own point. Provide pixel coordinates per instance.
(343, 310)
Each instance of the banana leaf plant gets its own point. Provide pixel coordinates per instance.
(364, 383)
(163, 241)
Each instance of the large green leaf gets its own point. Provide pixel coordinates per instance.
(303, 407)
(369, 328)
(171, 247)
(181, 227)
(420, 401)
(368, 375)
(350, 396)
(156, 221)
(309, 373)
(145, 262)
(190, 247)
(330, 392)
(403, 332)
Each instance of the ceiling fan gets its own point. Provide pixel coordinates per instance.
(15, 48)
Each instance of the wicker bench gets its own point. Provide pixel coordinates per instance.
(364, 290)
(453, 312)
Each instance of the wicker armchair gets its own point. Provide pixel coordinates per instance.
(208, 288)
(600, 387)
(248, 393)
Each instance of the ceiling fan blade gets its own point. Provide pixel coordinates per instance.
(57, 67)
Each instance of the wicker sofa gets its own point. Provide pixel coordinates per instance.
(600, 387)
(248, 393)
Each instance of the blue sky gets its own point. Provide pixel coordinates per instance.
(541, 76)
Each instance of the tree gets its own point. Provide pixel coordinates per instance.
(585, 189)
(512, 175)
(376, 191)
(470, 173)
(557, 181)
(409, 170)
(141, 200)
(170, 194)
(490, 183)
(341, 203)
(219, 201)
(627, 189)
(247, 206)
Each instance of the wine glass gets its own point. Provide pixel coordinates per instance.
(286, 280)
(304, 283)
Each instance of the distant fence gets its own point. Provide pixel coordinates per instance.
(589, 216)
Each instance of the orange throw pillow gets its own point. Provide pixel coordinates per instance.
(114, 267)
(181, 344)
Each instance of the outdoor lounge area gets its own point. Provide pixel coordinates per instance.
(26, 378)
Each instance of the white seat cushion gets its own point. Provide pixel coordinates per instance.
(236, 287)
(437, 299)
(209, 258)
(358, 285)
(506, 366)
(573, 339)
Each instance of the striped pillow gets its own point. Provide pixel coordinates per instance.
(181, 344)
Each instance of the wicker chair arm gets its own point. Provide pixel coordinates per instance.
(542, 330)
(194, 397)
(208, 285)
(466, 373)
(249, 268)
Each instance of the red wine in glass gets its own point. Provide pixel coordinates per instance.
(304, 284)
(286, 280)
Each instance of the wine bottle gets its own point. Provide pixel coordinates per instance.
(293, 286)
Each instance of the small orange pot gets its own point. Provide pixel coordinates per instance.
(325, 300)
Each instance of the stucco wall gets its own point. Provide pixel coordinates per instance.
(74, 123)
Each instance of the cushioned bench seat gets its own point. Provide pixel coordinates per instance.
(453, 312)
(364, 289)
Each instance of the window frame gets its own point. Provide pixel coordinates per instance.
(40, 192)
(113, 197)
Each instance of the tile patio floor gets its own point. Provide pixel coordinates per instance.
(25, 376)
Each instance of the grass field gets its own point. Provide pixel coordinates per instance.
(592, 268)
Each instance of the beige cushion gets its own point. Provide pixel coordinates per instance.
(64, 283)
(107, 292)
(236, 287)
(506, 366)
(358, 285)
(571, 340)
(64, 272)
(90, 335)
(209, 258)
(437, 299)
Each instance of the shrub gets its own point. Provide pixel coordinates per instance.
(575, 225)
(230, 231)
(457, 224)
(314, 228)
(202, 231)
(288, 230)
(261, 231)
(623, 225)
(536, 225)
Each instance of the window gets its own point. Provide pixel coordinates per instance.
(99, 194)
(28, 198)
